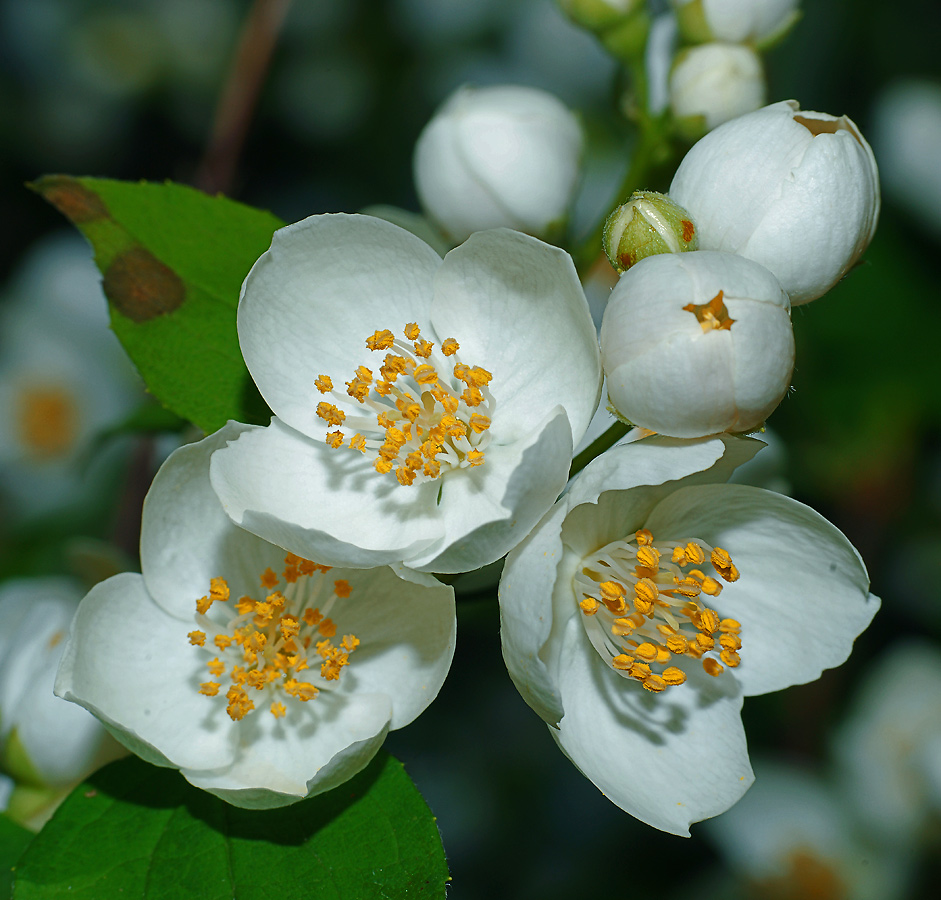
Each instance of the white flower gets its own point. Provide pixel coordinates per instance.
(498, 156)
(756, 21)
(796, 191)
(716, 82)
(264, 678)
(44, 741)
(63, 378)
(889, 750)
(445, 466)
(906, 134)
(650, 573)
(792, 835)
(697, 343)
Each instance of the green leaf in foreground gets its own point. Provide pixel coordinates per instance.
(13, 841)
(136, 831)
(173, 260)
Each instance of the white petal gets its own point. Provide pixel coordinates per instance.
(131, 664)
(669, 759)
(309, 303)
(281, 761)
(487, 510)
(516, 307)
(406, 624)
(530, 577)
(803, 595)
(186, 537)
(326, 505)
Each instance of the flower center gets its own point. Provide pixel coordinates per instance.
(641, 607)
(712, 316)
(47, 420)
(808, 878)
(420, 422)
(264, 645)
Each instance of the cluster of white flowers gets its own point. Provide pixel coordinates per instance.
(426, 412)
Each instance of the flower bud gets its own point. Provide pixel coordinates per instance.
(599, 14)
(795, 191)
(498, 156)
(44, 741)
(713, 83)
(758, 22)
(649, 223)
(697, 343)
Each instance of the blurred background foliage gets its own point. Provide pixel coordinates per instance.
(129, 89)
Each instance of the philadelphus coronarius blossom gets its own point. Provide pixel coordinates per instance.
(753, 21)
(697, 343)
(652, 598)
(715, 82)
(796, 191)
(498, 156)
(426, 409)
(265, 678)
(44, 742)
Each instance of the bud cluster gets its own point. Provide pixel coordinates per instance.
(780, 203)
(718, 73)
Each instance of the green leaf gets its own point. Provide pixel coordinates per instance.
(13, 841)
(136, 831)
(173, 260)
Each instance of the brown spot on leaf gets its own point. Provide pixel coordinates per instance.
(688, 230)
(72, 199)
(141, 287)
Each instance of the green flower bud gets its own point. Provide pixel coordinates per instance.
(621, 25)
(648, 224)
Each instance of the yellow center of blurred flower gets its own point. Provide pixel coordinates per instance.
(265, 645)
(712, 316)
(46, 420)
(641, 607)
(808, 878)
(417, 421)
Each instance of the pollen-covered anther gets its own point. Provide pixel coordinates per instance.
(722, 563)
(589, 606)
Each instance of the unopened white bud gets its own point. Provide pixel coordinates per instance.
(758, 22)
(795, 191)
(697, 343)
(498, 156)
(649, 223)
(713, 83)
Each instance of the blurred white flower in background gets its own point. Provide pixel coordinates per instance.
(63, 378)
(45, 743)
(906, 136)
(754, 21)
(716, 82)
(793, 836)
(889, 748)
